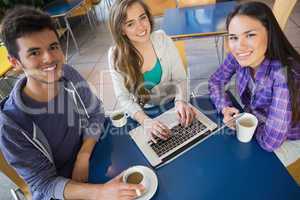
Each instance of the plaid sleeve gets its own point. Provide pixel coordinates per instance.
(218, 81)
(271, 134)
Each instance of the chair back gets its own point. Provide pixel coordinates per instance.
(14, 177)
(83, 9)
(191, 3)
(158, 7)
(4, 63)
(282, 9)
(181, 49)
(294, 170)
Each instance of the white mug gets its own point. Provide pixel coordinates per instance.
(118, 119)
(144, 180)
(245, 127)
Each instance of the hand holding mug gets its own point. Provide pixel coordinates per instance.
(229, 113)
(245, 127)
(136, 176)
(116, 189)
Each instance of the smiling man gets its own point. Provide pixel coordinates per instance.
(51, 121)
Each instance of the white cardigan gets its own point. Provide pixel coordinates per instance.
(173, 82)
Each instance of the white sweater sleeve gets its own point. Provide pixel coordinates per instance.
(124, 98)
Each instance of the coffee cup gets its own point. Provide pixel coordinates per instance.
(136, 175)
(118, 119)
(245, 127)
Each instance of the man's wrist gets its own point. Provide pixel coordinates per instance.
(93, 189)
(83, 156)
(79, 190)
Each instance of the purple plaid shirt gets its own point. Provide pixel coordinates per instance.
(268, 99)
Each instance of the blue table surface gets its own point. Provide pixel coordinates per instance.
(219, 168)
(199, 20)
(62, 7)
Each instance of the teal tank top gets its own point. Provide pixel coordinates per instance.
(153, 77)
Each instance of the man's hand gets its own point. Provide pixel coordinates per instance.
(229, 113)
(185, 113)
(115, 189)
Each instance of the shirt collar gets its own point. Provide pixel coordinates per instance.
(262, 69)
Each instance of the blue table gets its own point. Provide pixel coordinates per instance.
(182, 23)
(219, 168)
(199, 21)
(62, 8)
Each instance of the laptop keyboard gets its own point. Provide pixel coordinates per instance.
(179, 135)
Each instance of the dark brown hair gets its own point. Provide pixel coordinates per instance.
(21, 21)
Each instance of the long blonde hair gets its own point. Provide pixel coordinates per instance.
(126, 58)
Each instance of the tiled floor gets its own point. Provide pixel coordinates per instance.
(93, 65)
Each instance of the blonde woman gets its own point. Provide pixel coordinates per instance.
(146, 67)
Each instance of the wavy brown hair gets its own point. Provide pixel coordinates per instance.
(126, 58)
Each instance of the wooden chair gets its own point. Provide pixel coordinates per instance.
(282, 9)
(86, 9)
(5, 67)
(158, 7)
(180, 44)
(294, 170)
(4, 63)
(8, 74)
(15, 178)
(191, 3)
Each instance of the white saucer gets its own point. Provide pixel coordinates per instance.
(153, 182)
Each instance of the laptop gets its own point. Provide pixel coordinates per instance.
(181, 140)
